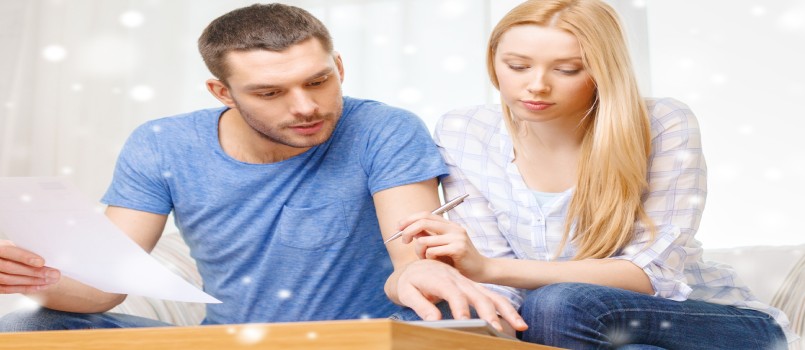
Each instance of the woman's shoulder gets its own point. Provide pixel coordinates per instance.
(479, 121)
(664, 105)
(670, 114)
(466, 135)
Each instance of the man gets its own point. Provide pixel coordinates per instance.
(281, 194)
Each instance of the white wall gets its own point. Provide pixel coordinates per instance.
(739, 65)
(79, 75)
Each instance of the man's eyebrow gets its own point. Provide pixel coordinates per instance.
(315, 76)
(321, 73)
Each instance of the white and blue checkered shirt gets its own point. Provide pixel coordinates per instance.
(504, 219)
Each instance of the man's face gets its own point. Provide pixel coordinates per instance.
(290, 98)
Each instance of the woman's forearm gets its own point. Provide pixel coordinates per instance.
(532, 274)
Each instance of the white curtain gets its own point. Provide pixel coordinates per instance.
(79, 75)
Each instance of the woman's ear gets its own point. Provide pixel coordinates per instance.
(221, 92)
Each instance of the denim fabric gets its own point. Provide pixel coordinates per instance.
(585, 316)
(50, 320)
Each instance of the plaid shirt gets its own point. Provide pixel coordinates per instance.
(504, 219)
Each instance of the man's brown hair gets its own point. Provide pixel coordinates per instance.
(273, 27)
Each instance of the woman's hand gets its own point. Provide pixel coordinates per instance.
(437, 238)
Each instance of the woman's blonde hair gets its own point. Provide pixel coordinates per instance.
(612, 169)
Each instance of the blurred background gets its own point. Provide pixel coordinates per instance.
(77, 76)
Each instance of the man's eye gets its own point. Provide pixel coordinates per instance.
(269, 94)
(318, 82)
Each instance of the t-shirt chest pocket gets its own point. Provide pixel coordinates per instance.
(314, 228)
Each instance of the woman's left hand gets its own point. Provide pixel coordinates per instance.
(437, 238)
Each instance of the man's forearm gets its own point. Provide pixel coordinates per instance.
(72, 296)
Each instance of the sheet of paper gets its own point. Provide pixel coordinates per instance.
(52, 218)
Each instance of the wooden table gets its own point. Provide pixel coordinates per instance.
(359, 334)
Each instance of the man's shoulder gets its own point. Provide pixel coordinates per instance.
(180, 125)
(186, 119)
(364, 110)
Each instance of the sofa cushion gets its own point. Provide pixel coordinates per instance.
(776, 275)
(172, 252)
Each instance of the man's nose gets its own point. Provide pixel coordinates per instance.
(302, 104)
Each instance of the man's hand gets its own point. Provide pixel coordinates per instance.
(422, 283)
(22, 271)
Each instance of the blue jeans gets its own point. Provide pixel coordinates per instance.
(49, 320)
(586, 316)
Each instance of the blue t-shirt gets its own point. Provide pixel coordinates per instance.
(295, 240)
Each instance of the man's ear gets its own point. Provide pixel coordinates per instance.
(339, 64)
(220, 91)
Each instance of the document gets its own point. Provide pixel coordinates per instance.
(52, 218)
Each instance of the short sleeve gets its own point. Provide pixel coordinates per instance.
(399, 150)
(138, 181)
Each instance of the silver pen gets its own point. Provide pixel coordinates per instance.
(439, 211)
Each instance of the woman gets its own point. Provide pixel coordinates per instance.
(585, 197)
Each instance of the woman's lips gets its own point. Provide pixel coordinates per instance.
(537, 105)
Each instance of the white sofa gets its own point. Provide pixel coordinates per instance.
(775, 274)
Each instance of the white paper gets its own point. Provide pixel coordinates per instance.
(50, 217)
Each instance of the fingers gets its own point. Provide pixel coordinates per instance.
(11, 283)
(8, 251)
(425, 246)
(506, 311)
(414, 217)
(439, 281)
(483, 304)
(459, 305)
(423, 307)
(444, 246)
(22, 271)
(431, 225)
(489, 305)
(22, 289)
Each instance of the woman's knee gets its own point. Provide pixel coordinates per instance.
(562, 300)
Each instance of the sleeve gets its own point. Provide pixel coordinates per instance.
(474, 214)
(675, 201)
(399, 151)
(138, 181)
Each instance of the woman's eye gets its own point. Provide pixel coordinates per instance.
(517, 67)
(568, 71)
